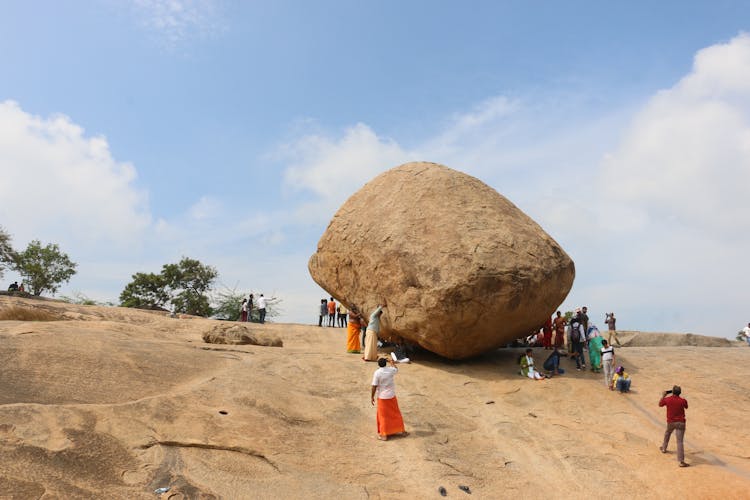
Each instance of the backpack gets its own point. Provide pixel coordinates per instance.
(575, 333)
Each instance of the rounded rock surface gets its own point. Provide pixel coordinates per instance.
(461, 269)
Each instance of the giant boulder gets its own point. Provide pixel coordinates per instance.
(461, 269)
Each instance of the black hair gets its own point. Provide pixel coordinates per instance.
(382, 362)
(676, 390)
(529, 350)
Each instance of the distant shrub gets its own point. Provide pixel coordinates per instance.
(24, 314)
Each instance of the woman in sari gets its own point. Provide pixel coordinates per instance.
(353, 331)
(371, 335)
(595, 349)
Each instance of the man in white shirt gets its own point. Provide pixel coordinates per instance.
(746, 333)
(262, 301)
(389, 420)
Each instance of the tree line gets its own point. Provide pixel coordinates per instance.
(186, 287)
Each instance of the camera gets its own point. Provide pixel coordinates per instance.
(668, 392)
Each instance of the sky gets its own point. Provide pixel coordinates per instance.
(133, 133)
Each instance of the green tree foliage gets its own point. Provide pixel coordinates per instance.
(146, 291)
(227, 304)
(6, 251)
(183, 285)
(44, 269)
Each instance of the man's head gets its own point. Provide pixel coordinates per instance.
(559, 314)
(604, 342)
(585, 309)
(528, 352)
(382, 362)
(676, 390)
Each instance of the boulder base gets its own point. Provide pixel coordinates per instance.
(461, 269)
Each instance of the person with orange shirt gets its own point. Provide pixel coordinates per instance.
(332, 313)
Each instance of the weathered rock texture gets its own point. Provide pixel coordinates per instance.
(240, 335)
(461, 269)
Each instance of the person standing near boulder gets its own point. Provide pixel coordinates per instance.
(389, 419)
(676, 407)
(323, 311)
(547, 331)
(353, 331)
(342, 313)
(559, 325)
(332, 313)
(371, 334)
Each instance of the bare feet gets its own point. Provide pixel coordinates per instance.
(383, 438)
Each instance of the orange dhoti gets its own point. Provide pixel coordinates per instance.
(389, 418)
(353, 331)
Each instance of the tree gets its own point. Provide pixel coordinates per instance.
(146, 291)
(44, 269)
(227, 304)
(183, 285)
(6, 251)
(189, 281)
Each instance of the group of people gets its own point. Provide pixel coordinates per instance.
(389, 421)
(248, 305)
(336, 313)
(15, 287)
(581, 334)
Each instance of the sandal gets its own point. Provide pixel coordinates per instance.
(684, 464)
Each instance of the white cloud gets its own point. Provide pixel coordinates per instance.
(687, 155)
(205, 208)
(658, 227)
(177, 20)
(61, 185)
(332, 169)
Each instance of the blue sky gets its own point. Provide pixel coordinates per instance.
(135, 132)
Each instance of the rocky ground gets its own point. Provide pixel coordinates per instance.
(104, 402)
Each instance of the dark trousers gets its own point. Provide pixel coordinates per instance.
(262, 315)
(578, 349)
(320, 320)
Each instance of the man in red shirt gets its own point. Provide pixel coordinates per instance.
(676, 407)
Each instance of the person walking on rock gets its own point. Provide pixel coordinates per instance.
(371, 335)
(389, 420)
(676, 407)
